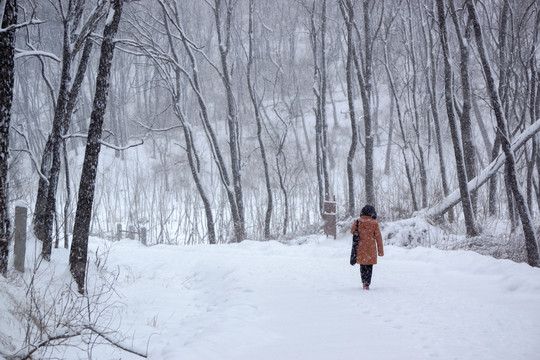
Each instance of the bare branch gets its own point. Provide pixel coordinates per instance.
(26, 353)
(21, 25)
(30, 153)
(22, 53)
(120, 148)
(150, 129)
(115, 343)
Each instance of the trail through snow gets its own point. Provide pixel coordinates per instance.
(266, 300)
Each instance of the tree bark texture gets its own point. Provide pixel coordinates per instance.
(79, 248)
(7, 65)
(364, 72)
(469, 148)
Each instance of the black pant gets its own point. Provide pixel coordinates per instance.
(365, 272)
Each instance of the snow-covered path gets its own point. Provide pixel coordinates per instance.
(271, 301)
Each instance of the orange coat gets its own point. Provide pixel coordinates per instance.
(370, 243)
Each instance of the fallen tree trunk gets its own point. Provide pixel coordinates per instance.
(438, 210)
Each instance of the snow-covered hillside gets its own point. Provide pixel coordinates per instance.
(267, 300)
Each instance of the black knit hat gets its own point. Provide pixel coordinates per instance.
(369, 210)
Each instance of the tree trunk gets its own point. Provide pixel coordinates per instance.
(45, 207)
(431, 85)
(195, 171)
(393, 93)
(411, 41)
(79, 248)
(223, 29)
(363, 74)
(468, 213)
(531, 244)
(318, 89)
(469, 149)
(347, 10)
(7, 71)
(324, 120)
(256, 108)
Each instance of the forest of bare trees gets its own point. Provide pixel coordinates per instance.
(225, 120)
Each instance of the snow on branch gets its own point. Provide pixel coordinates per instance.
(26, 352)
(120, 148)
(21, 25)
(150, 129)
(454, 198)
(22, 53)
(64, 334)
(104, 143)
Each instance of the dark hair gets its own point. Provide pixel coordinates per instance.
(369, 210)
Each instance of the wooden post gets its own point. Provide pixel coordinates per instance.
(131, 232)
(118, 232)
(142, 236)
(329, 217)
(19, 248)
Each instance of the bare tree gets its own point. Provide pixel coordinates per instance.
(79, 248)
(168, 62)
(431, 86)
(531, 243)
(223, 30)
(470, 222)
(469, 148)
(364, 73)
(74, 37)
(347, 10)
(317, 37)
(413, 61)
(170, 13)
(256, 102)
(394, 94)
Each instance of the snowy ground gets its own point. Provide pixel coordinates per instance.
(272, 301)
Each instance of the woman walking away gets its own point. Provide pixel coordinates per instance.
(370, 243)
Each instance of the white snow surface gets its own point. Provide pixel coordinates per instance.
(268, 300)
